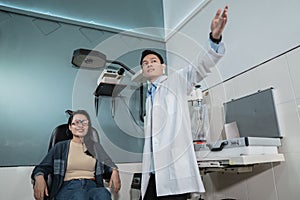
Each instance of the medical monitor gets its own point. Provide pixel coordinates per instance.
(255, 114)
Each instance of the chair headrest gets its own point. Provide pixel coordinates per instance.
(62, 132)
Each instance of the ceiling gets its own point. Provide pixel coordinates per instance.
(112, 15)
(144, 18)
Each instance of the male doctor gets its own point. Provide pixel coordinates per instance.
(169, 168)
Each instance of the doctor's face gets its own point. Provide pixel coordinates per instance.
(152, 68)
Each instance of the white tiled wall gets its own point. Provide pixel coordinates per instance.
(287, 177)
(277, 181)
(15, 182)
(294, 69)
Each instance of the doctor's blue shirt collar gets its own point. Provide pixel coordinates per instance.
(155, 82)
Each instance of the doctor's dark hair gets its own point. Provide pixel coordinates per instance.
(82, 112)
(149, 51)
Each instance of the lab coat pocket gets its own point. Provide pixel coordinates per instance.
(179, 168)
(171, 103)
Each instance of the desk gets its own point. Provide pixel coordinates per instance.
(236, 164)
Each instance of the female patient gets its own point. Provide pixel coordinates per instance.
(77, 175)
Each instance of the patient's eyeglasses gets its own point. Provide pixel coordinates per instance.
(80, 122)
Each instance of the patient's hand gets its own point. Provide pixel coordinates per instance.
(40, 187)
(115, 180)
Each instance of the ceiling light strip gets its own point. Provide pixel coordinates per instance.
(77, 22)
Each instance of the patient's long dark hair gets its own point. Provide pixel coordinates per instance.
(87, 138)
(95, 149)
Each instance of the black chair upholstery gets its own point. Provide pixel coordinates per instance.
(62, 132)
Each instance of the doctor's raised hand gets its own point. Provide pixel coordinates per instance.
(218, 23)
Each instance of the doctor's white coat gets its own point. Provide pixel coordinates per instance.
(176, 169)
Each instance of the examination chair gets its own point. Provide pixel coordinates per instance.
(62, 132)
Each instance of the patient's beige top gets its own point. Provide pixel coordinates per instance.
(80, 165)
